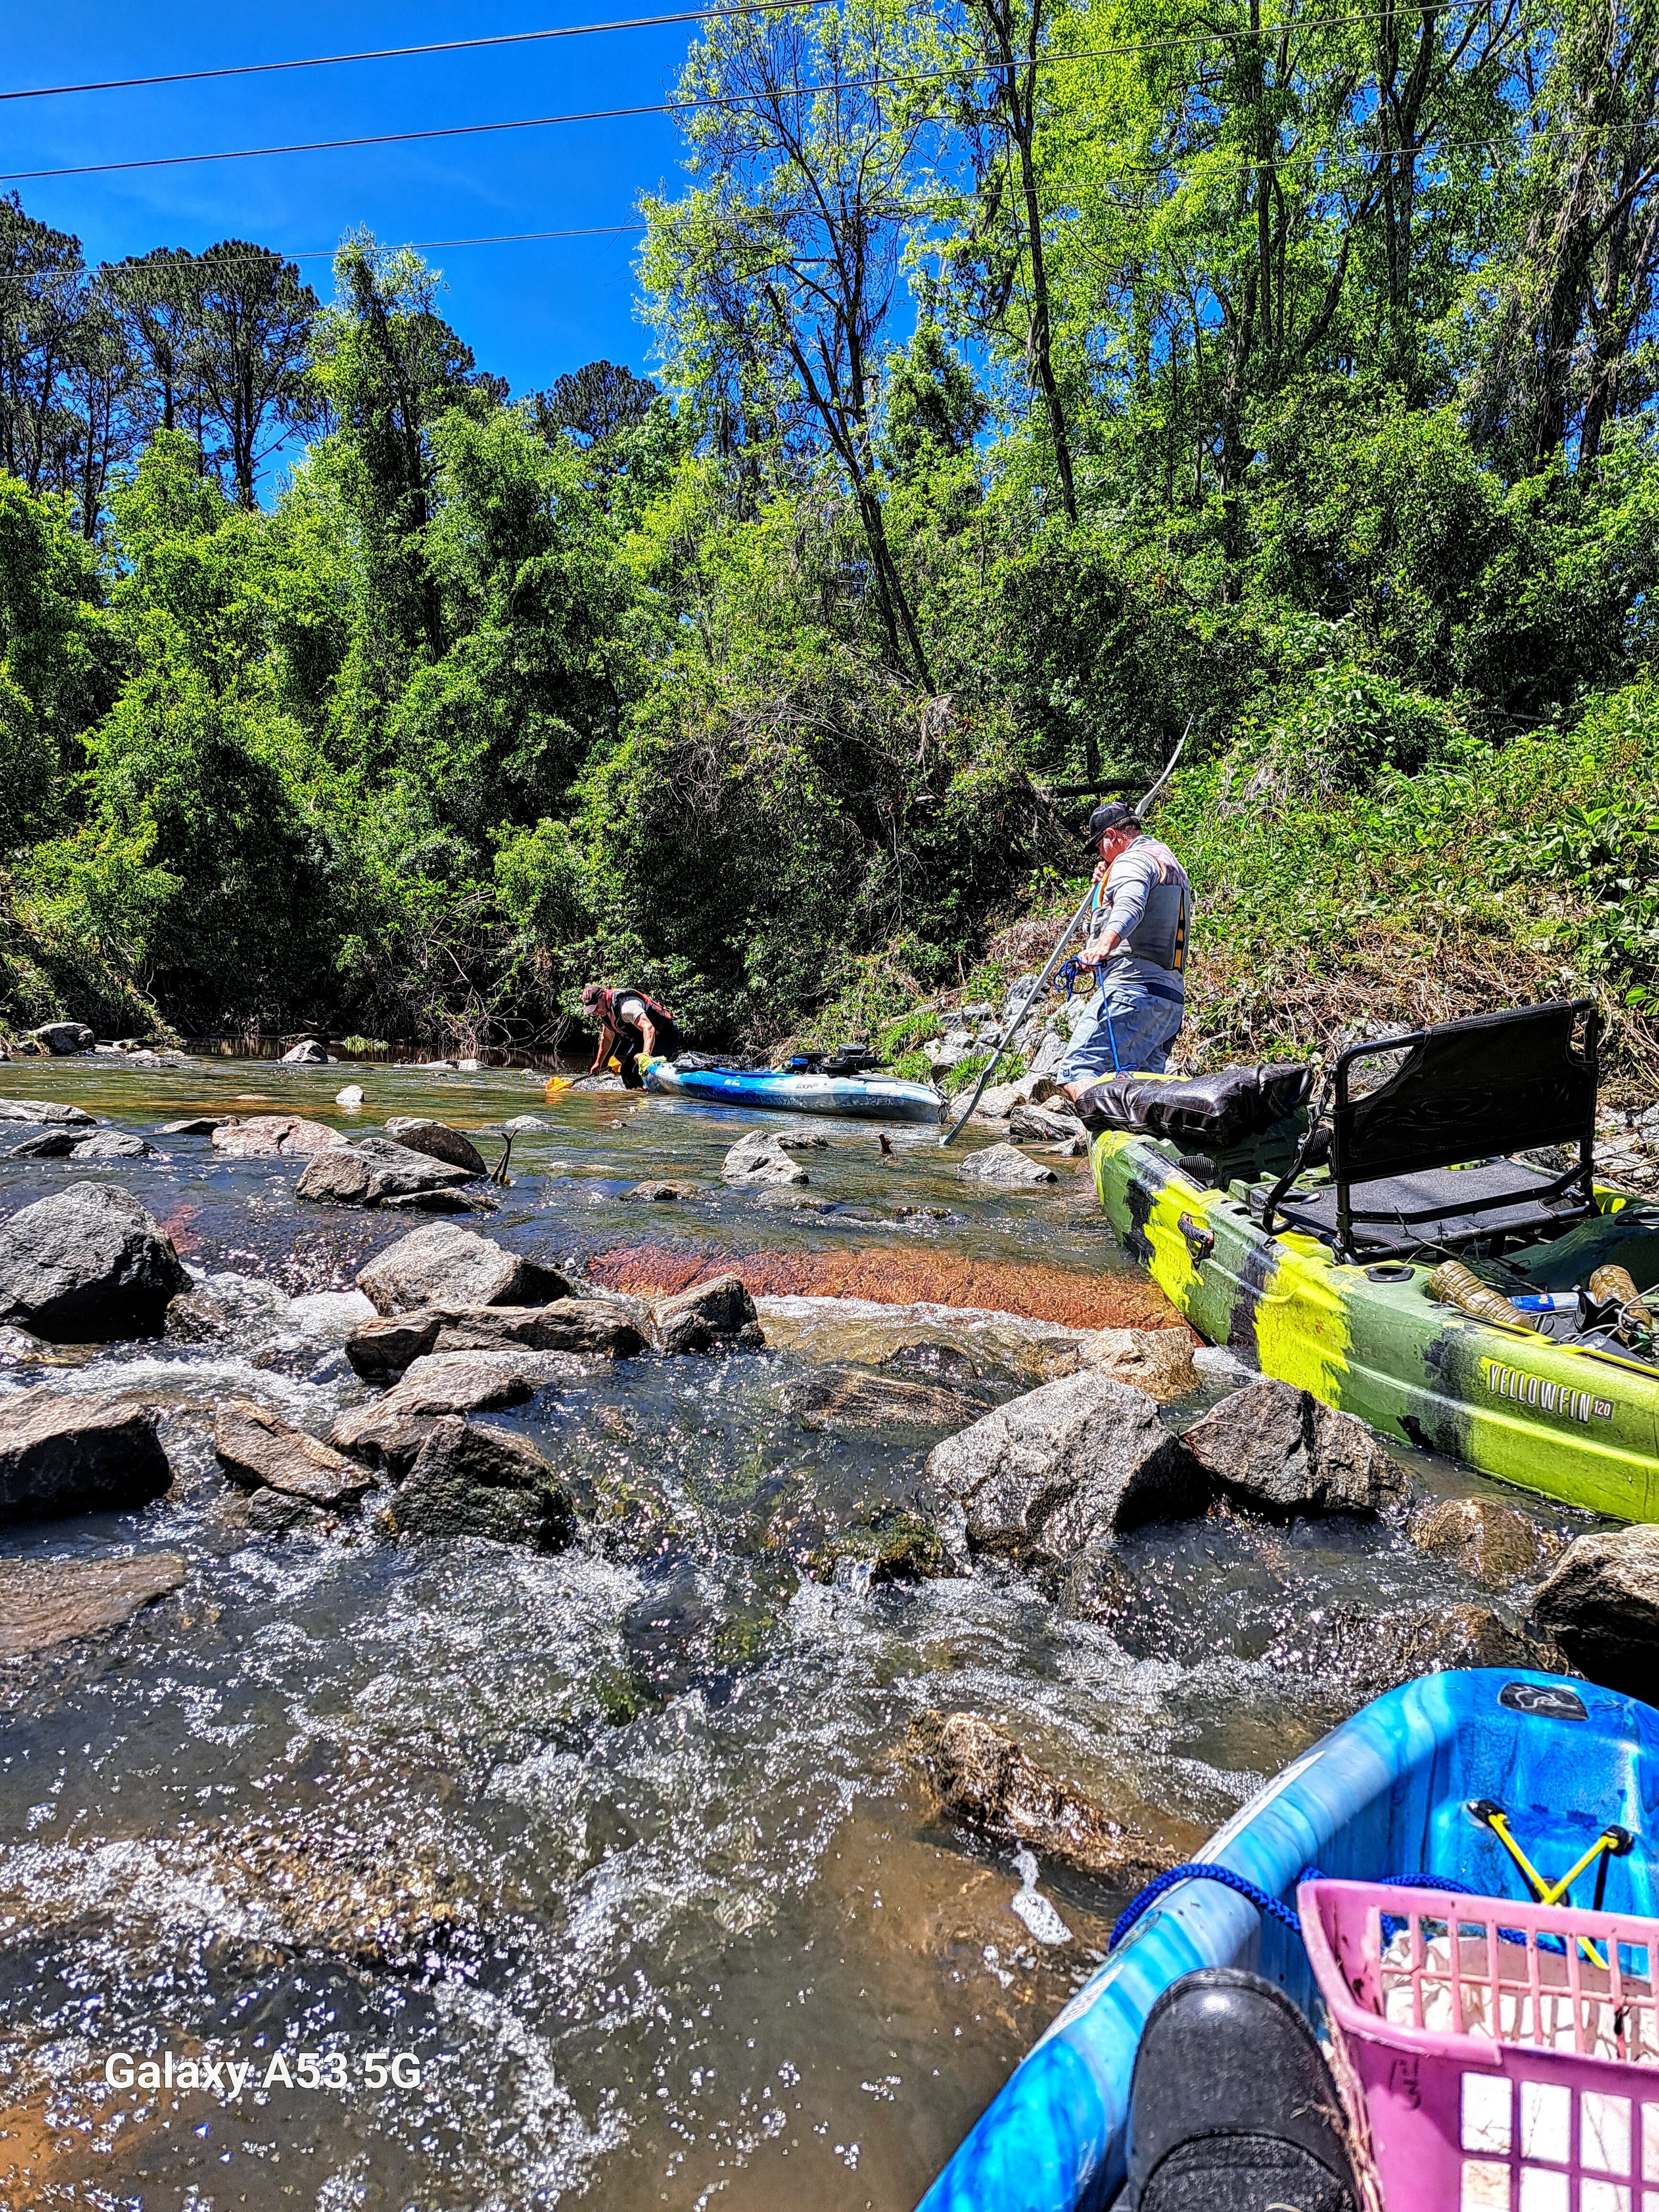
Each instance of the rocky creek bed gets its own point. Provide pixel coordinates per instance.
(616, 1662)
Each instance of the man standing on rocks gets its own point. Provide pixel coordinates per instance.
(633, 1026)
(1137, 944)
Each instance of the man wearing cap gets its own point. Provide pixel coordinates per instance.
(633, 1026)
(1137, 945)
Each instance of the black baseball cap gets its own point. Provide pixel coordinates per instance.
(1112, 816)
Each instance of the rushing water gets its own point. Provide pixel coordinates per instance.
(621, 1847)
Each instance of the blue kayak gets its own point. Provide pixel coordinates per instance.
(1387, 1793)
(873, 1097)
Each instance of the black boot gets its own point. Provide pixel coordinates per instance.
(1232, 2108)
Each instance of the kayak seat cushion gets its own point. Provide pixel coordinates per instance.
(1436, 1206)
(1212, 1113)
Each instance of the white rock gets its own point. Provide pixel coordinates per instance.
(351, 1095)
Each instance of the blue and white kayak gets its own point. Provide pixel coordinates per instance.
(873, 1097)
(1389, 1793)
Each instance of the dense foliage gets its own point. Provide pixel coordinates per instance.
(1036, 384)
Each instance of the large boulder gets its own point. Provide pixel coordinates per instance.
(589, 1325)
(1070, 1465)
(761, 1158)
(389, 1432)
(274, 1136)
(60, 1455)
(374, 1172)
(87, 1265)
(1281, 1451)
(445, 1266)
(472, 1481)
(1601, 1605)
(439, 1142)
(985, 1779)
(709, 1313)
(45, 1113)
(1491, 1542)
(1004, 1167)
(259, 1451)
(112, 1144)
(63, 1038)
(44, 1603)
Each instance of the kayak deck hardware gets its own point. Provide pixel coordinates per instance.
(1201, 1239)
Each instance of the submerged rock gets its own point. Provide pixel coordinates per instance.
(1070, 1465)
(707, 1314)
(1367, 1653)
(274, 1136)
(472, 1481)
(843, 1396)
(984, 1779)
(437, 1141)
(1158, 1361)
(44, 1603)
(761, 1158)
(259, 1451)
(1490, 1542)
(60, 1455)
(441, 1266)
(893, 1545)
(1281, 1450)
(1601, 1603)
(113, 1144)
(87, 1265)
(44, 1113)
(61, 1038)
(1005, 1166)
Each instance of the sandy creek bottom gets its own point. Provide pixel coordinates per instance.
(621, 1848)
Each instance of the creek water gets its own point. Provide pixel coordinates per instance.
(621, 1848)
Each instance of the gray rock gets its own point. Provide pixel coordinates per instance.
(63, 1038)
(309, 1053)
(372, 1173)
(113, 1144)
(45, 1113)
(1492, 1543)
(46, 1144)
(443, 1265)
(1281, 1451)
(1601, 1605)
(1043, 1125)
(259, 1451)
(760, 1158)
(1070, 1465)
(60, 1455)
(661, 1194)
(438, 1142)
(44, 1602)
(523, 1125)
(17, 1346)
(1005, 1166)
(380, 1350)
(437, 1201)
(588, 1325)
(198, 1124)
(440, 1383)
(697, 1319)
(1158, 1361)
(1048, 1056)
(87, 1265)
(472, 1481)
(274, 1136)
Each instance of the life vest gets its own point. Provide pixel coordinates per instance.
(660, 1016)
(1160, 935)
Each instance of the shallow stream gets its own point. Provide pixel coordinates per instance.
(623, 1845)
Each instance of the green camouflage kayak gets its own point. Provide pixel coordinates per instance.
(1578, 1420)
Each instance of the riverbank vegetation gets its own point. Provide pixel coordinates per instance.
(1032, 386)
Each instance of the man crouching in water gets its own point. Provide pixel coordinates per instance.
(633, 1026)
(1137, 944)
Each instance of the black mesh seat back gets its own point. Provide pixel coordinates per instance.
(1467, 1090)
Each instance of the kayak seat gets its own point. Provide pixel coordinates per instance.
(1432, 1207)
(1407, 1110)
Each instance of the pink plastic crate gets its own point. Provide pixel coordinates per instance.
(1485, 2071)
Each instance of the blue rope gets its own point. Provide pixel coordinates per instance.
(1200, 1870)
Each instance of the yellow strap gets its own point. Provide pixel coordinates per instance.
(1546, 1894)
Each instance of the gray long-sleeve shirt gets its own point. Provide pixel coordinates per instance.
(1148, 901)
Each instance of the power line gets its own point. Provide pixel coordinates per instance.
(402, 53)
(671, 106)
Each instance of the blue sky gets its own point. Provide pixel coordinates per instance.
(529, 312)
